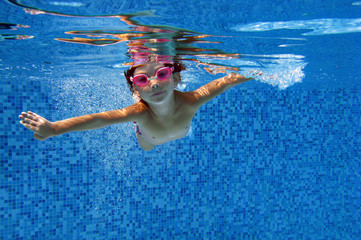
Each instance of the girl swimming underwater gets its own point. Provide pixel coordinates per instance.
(163, 114)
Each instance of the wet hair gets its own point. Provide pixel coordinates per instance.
(178, 67)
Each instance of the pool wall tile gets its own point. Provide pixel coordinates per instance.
(260, 163)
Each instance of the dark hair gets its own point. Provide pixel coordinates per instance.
(178, 67)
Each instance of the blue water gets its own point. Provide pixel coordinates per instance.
(274, 158)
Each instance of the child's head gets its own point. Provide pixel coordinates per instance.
(176, 65)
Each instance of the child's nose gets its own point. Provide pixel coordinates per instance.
(155, 85)
(154, 82)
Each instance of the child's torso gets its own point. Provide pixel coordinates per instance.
(159, 131)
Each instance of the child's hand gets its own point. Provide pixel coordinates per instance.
(41, 127)
(235, 78)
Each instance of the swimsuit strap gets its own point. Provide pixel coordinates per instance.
(136, 127)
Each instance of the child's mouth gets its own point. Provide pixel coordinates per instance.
(158, 93)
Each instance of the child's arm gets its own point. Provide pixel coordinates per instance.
(44, 129)
(211, 90)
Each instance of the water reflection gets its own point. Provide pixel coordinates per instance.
(317, 26)
(12, 26)
(149, 39)
(183, 44)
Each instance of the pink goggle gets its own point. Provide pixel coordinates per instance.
(161, 74)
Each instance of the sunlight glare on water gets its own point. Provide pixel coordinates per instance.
(318, 26)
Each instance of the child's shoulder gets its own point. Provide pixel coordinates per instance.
(188, 99)
(139, 111)
(139, 107)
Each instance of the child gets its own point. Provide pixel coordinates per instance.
(162, 114)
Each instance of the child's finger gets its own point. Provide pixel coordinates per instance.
(35, 116)
(32, 122)
(31, 116)
(27, 119)
(28, 126)
(24, 115)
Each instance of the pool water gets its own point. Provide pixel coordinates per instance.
(273, 158)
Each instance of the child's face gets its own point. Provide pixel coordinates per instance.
(155, 91)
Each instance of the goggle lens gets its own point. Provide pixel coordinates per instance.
(140, 80)
(164, 73)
